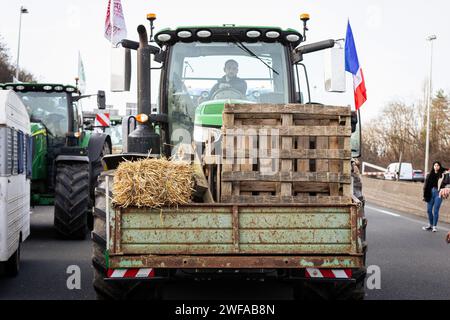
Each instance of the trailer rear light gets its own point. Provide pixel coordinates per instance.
(20, 88)
(9, 88)
(70, 89)
(47, 88)
(130, 273)
(328, 273)
(58, 88)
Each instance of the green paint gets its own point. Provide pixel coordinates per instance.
(107, 258)
(209, 113)
(39, 168)
(262, 230)
(84, 143)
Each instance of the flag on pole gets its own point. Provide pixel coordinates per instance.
(81, 75)
(352, 66)
(115, 28)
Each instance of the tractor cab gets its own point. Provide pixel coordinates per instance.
(207, 67)
(50, 107)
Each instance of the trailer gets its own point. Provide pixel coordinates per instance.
(15, 174)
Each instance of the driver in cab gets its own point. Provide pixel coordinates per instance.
(230, 80)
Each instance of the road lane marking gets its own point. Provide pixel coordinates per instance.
(405, 218)
(384, 211)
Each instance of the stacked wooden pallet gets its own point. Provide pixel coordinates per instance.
(286, 154)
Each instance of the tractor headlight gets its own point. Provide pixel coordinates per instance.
(203, 134)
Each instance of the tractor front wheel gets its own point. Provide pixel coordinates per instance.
(72, 200)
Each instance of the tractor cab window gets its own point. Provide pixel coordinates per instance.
(206, 74)
(77, 117)
(50, 108)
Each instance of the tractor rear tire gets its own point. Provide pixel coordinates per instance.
(72, 200)
(107, 290)
(97, 167)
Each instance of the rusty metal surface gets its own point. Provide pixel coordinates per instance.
(220, 206)
(354, 230)
(221, 249)
(236, 235)
(231, 262)
(233, 229)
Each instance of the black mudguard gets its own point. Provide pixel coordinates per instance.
(96, 143)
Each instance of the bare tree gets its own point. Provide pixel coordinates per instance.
(401, 129)
(8, 70)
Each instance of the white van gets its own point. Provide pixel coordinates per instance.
(15, 174)
(393, 170)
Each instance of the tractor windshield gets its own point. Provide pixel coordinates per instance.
(213, 73)
(50, 108)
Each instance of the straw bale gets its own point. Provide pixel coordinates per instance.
(153, 183)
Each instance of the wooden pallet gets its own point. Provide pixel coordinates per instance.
(286, 154)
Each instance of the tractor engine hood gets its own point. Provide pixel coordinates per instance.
(209, 113)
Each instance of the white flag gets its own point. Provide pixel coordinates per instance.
(81, 75)
(115, 24)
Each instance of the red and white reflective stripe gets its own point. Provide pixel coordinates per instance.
(102, 120)
(131, 273)
(328, 273)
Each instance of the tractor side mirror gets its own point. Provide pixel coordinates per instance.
(335, 70)
(101, 100)
(120, 69)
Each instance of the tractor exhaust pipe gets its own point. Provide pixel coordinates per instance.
(144, 139)
(143, 73)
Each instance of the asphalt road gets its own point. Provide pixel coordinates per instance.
(414, 265)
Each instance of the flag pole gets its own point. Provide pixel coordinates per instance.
(111, 18)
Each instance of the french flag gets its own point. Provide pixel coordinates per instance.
(352, 66)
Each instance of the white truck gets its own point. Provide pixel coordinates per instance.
(393, 170)
(15, 174)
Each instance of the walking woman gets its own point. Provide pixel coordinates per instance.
(433, 183)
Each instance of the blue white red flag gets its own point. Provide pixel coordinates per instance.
(352, 66)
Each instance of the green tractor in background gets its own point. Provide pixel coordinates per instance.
(66, 159)
(114, 130)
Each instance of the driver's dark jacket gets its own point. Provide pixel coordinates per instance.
(235, 83)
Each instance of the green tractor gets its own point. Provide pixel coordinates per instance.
(114, 130)
(135, 253)
(66, 159)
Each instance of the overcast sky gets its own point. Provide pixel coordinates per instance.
(389, 35)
